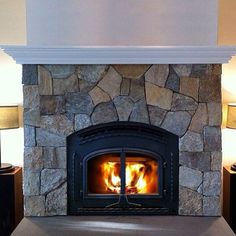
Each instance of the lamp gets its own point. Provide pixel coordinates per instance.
(8, 120)
(231, 122)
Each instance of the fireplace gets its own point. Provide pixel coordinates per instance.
(122, 168)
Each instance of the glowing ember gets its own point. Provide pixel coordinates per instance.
(140, 177)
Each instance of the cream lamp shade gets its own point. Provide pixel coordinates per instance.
(231, 117)
(9, 117)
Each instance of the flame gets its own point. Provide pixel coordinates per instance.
(141, 177)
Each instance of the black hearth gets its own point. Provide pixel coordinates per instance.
(122, 168)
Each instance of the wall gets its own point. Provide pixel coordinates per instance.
(123, 22)
(227, 36)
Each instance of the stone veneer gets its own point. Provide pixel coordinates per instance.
(61, 99)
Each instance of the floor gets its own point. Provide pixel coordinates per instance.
(123, 225)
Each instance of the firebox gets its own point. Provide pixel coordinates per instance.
(122, 168)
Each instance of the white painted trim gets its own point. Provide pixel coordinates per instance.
(121, 55)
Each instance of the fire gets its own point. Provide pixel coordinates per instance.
(141, 177)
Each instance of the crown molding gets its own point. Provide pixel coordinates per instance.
(121, 54)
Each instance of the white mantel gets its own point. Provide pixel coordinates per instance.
(121, 55)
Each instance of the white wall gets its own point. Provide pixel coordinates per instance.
(122, 22)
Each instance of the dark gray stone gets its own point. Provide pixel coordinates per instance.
(32, 117)
(54, 158)
(79, 103)
(50, 105)
(191, 142)
(139, 112)
(125, 87)
(29, 136)
(56, 201)
(104, 113)
(33, 158)
(30, 74)
(216, 161)
(183, 103)
(124, 106)
(31, 182)
(212, 138)
(51, 179)
(200, 70)
(137, 89)
(196, 160)
(212, 183)
(211, 206)
(60, 71)
(177, 122)
(190, 202)
(156, 115)
(45, 138)
(31, 96)
(173, 81)
(182, 70)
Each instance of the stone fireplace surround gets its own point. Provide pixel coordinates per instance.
(61, 99)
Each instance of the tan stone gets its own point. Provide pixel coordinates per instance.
(199, 119)
(189, 86)
(157, 75)
(45, 81)
(131, 71)
(98, 96)
(61, 86)
(111, 83)
(158, 96)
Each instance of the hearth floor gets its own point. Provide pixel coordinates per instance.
(123, 225)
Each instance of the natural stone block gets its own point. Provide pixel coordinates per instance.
(139, 112)
(60, 71)
(216, 69)
(157, 96)
(216, 161)
(31, 96)
(124, 106)
(189, 87)
(50, 105)
(131, 71)
(199, 119)
(212, 183)
(91, 73)
(137, 89)
(183, 103)
(99, 96)
(191, 142)
(29, 136)
(196, 160)
(79, 103)
(182, 70)
(32, 117)
(212, 138)
(215, 113)
(54, 158)
(111, 83)
(157, 75)
(56, 201)
(34, 206)
(211, 206)
(173, 80)
(44, 138)
(51, 179)
(45, 81)
(104, 113)
(33, 158)
(82, 121)
(125, 87)
(30, 75)
(210, 89)
(190, 202)
(58, 124)
(176, 122)
(200, 70)
(189, 178)
(156, 115)
(31, 182)
(68, 85)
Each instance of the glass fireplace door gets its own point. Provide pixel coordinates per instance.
(126, 173)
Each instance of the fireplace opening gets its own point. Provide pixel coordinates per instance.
(122, 168)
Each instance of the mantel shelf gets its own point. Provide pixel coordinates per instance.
(121, 54)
